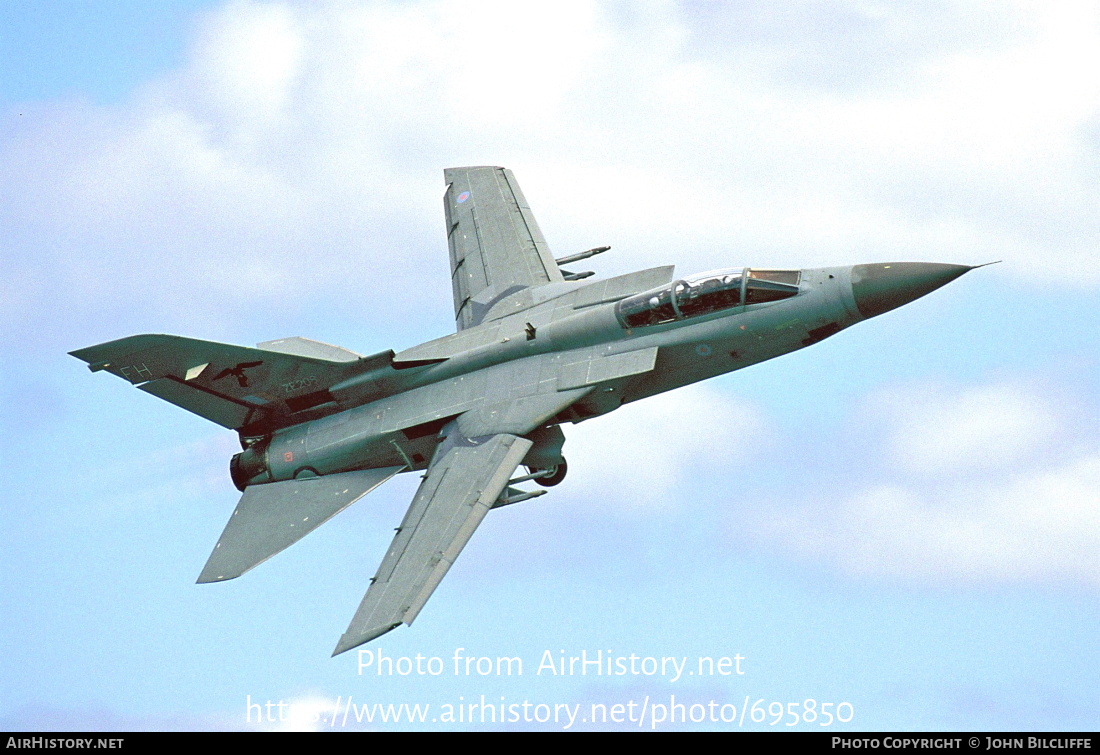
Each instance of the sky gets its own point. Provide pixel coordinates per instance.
(895, 529)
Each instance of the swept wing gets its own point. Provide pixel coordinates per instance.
(496, 246)
(464, 481)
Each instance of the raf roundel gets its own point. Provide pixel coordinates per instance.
(463, 197)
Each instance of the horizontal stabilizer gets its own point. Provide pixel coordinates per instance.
(273, 516)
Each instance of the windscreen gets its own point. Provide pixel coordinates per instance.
(707, 293)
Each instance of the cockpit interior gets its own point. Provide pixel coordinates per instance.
(706, 293)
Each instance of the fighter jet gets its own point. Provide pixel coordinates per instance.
(536, 347)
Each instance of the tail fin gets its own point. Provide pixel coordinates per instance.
(235, 386)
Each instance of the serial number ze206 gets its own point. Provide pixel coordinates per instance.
(299, 384)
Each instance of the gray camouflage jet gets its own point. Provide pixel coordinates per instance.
(536, 347)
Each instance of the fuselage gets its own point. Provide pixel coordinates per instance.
(692, 345)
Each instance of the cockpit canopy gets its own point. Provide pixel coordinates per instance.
(706, 293)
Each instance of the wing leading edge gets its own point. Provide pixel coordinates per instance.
(464, 481)
(496, 246)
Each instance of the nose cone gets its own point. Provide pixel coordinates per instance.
(884, 286)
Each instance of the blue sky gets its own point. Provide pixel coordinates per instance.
(904, 517)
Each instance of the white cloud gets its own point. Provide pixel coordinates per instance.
(643, 454)
(248, 61)
(1032, 525)
(306, 139)
(299, 714)
(937, 430)
(982, 484)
